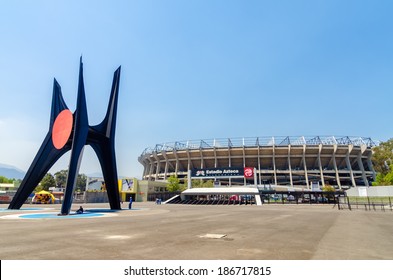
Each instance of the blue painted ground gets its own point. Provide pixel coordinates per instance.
(89, 213)
(56, 216)
(109, 210)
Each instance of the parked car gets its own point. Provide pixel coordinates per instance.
(322, 199)
(290, 198)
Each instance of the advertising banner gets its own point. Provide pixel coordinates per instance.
(228, 172)
(127, 185)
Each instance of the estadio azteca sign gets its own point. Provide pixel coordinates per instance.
(228, 172)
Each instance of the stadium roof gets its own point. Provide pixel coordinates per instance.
(261, 141)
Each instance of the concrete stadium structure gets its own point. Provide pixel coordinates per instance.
(303, 162)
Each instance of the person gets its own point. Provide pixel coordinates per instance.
(130, 204)
(80, 210)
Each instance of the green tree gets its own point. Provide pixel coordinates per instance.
(328, 188)
(5, 180)
(47, 182)
(197, 183)
(208, 184)
(38, 188)
(61, 178)
(382, 159)
(174, 185)
(384, 179)
(81, 182)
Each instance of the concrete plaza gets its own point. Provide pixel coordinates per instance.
(189, 232)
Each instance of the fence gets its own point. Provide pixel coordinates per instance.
(366, 203)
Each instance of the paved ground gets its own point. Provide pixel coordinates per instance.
(274, 232)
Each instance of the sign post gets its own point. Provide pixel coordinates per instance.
(255, 178)
(189, 186)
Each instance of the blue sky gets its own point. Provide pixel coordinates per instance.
(196, 70)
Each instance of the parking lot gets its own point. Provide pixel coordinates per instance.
(150, 231)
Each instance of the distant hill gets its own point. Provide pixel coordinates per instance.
(11, 172)
(95, 175)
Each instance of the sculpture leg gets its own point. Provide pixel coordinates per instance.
(81, 128)
(107, 161)
(43, 161)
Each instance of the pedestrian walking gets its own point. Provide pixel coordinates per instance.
(130, 204)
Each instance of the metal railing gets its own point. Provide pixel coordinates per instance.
(366, 204)
(261, 142)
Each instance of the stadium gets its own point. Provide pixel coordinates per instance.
(295, 162)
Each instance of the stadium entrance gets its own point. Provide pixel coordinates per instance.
(251, 196)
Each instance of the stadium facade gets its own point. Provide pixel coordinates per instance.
(342, 162)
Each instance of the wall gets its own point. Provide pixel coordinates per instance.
(141, 189)
(96, 197)
(371, 191)
(145, 187)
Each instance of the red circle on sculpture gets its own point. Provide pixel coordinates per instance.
(62, 129)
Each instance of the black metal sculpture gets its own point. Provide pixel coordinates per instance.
(69, 131)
